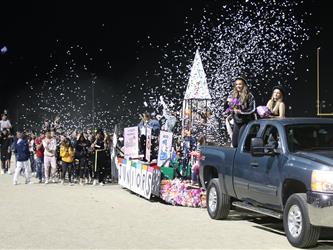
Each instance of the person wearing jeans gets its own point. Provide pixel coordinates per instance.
(50, 145)
(67, 157)
(39, 152)
(22, 152)
(32, 153)
(40, 169)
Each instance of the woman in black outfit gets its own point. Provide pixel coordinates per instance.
(100, 158)
(82, 154)
(243, 113)
(5, 142)
(91, 158)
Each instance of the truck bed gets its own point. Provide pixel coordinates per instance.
(222, 159)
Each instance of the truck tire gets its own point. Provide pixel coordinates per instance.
(218, 204)
(299, 231)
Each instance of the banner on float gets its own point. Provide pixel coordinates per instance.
(114, 146)
(164, 149)
(131, 142)
(148, 144)
(138, 177)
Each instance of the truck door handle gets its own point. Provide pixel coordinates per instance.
(254, 164)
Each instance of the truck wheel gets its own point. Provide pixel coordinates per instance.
(218, 204)
(300, 233)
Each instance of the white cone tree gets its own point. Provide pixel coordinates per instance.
(196, 100)
(197, 87)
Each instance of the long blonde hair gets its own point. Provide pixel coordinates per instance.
(275, 110)
(243, 96)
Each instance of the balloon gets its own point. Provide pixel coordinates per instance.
(3, 50)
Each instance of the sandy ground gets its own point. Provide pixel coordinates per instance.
(85, 217)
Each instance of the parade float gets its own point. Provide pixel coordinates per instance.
(160, 177)
(149, 180)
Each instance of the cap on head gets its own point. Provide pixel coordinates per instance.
(241, 78)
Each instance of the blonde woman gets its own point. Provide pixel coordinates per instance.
(276, 104)
(242, 107)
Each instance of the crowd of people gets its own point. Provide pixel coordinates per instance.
(80, 157)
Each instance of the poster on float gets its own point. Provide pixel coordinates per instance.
(164, 149)
(139, 177)
(148, 144)
(131, 142)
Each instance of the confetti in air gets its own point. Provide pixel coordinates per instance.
(68, 90)
(256, 39)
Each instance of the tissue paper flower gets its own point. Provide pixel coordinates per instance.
(263, 111)
(181, 193)
(234, 103)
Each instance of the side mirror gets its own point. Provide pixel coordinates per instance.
(257, 146)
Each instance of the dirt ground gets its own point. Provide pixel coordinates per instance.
(53, 216)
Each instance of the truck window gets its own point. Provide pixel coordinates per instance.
(271, 137)
(252, 134)
(309, 137)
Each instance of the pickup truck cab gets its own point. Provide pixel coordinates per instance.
(282, 168)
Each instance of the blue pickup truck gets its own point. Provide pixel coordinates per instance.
(282, 168)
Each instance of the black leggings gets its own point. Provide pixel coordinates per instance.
(5, 160)
(83, 168)
(4, 165)
(237, 133)
(99, 172)
(143, 145)
(67, 166)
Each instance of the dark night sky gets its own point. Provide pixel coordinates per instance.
(31, 30)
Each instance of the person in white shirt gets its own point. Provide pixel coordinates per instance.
(21, 149)
(5, 123)
(50, 145)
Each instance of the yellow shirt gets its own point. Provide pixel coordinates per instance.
(67, 154)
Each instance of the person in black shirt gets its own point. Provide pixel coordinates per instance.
(6, 143)
(100, 158)
(244, 111)
(81, 154)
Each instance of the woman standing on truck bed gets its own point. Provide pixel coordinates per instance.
(243, 107)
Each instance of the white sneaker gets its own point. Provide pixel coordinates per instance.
(81, 183)
(101, 184)
(15, 183)
(86, 181)
(95, 183)
(54, 181)
(29, 182)
(62, 182)
(2, 171)
(46, 181)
